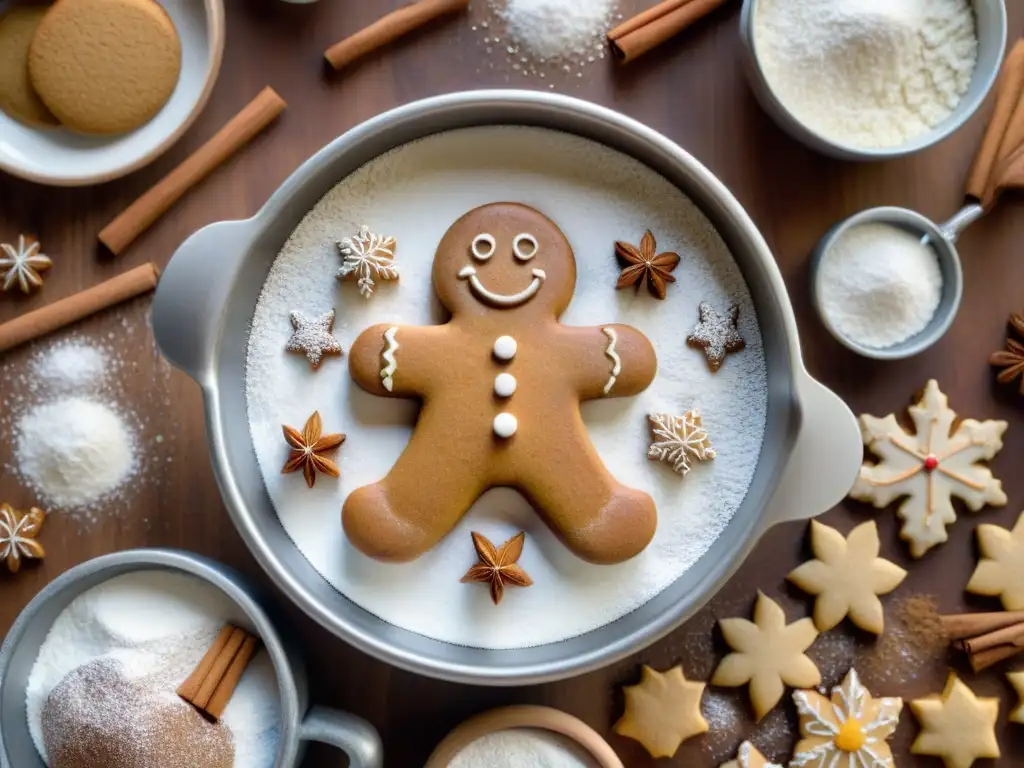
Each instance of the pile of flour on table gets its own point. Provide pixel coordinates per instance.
(596, 196)
(868, 73)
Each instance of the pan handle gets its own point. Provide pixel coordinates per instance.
(352, 735)
(825, 459)
(192, 295)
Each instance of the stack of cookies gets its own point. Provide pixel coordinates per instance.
(99, 67)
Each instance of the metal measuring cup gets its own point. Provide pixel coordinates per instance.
(998, 166)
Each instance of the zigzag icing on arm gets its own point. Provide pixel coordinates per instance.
(387, 373)
(612, 355)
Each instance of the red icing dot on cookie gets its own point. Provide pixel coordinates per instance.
(931, 463)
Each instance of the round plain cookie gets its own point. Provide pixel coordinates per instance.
(105, 66)
(17, 96)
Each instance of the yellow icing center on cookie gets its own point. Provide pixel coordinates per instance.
(851, 737)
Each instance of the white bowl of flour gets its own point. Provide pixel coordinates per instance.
(872, 79)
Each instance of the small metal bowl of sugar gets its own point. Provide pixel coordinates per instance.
(886, 282)
(863, 80)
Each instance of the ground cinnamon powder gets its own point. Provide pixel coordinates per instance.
(914, 643)
(97, 718)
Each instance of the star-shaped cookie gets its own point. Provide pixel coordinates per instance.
(956, 726)
(769, 654)
(716, 334)
(748, 756)
(928, 468)
(313, 337)
(662, 711)
(847, 576)
(1017, 681)
(1000, 572)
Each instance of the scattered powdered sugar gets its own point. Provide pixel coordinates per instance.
(726, 717)
(523, 748)
(74, 452)
(879, 285)
(596, 196)
(833, 653)
(868, 73)
(70, 365)
(156, 626)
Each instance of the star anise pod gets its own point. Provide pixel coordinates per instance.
(18, 533)
(497, 567)
(645, 263)
(308, 448)
(1011, 360)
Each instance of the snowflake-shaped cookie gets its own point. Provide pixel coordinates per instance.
(18, 532)
(716, 334)
(679, 439)
(21, 265)
(769, 654)
(749, 756)
(367, 258)
(313, 337)
(849, 730)
(847, 575)
(1000, 572)
(929, 467)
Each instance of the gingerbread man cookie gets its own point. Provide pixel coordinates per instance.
(501, 384)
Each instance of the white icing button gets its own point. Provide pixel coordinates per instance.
(505, 385)
(505, 425)
(505, 348)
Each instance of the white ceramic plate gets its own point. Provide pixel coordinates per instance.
(62, 158)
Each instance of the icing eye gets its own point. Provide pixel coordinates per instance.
(524, 247)
(483, 247)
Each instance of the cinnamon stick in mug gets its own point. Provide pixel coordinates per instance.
(32, 325)
(388, 29)
(239, 131)
(648, 30)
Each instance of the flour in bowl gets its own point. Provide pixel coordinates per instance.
(596, 196)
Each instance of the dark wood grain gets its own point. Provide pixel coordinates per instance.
(693, 91)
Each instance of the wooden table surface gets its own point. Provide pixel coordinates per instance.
(693, 91)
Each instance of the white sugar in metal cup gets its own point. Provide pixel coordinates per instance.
(940, 239)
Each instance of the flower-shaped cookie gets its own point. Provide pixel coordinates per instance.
(769, 654)
(851, 728)
(1000, 572)
(847, 576)
(929, 467)
(662, 711)
(956, 726)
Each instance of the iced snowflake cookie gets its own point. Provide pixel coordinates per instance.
(21, 265)
(312, 336)
(956, 726)
(716, 334)
(768, 654)
(929, 467)
(662, 711)
(748, 756)
(1017, 681)
(847, 577)
(678, 440)
(367, 258)
(851, 728)
(1000, 572)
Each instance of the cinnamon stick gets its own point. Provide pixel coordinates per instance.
(966, 625)
(59, 314)
(1012, 635)
(388, 29)
(1008, 109)
(985, 659)
(239, 131)
(646, 31)
(211, 684)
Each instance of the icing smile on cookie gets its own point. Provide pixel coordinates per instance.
(501, 299)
